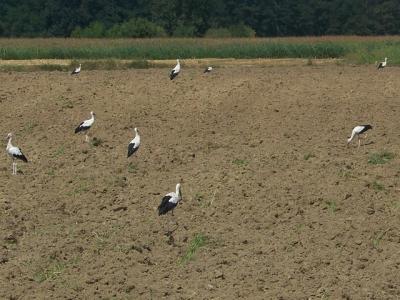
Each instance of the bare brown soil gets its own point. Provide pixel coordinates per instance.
(287, 210)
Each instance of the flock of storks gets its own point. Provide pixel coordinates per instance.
(170, 200)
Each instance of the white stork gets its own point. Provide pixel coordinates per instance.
(170, 201)
(85, 126)
(76, 70)
(134, 144)
(208, 70)
(382, 64)
(175, 71)
(357, 131)
(15, 153)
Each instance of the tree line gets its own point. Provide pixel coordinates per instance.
(197, 18)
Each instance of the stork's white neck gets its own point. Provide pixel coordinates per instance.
(178, 191)
(9, 145)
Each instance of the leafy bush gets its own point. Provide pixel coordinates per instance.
(239, 30)
(218, 33)
(136, 28)
(184, 31)
(94, 30)
(242, 30)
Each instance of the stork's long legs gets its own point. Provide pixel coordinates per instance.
(14, 168)
(86, 138)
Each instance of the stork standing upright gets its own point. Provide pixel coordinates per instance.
(175, 71)
(85, 126)
(15, 153)
(382, 64)
(170, 201)
(134, 144)
(357, 131)
(77, 70)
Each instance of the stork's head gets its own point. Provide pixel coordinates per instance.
(136, 130)
(92, 113)
(9, 136)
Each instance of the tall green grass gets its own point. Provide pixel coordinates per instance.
(356, 49)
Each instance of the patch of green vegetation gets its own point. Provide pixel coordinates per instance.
(50, 172)
(132, 168)
(354, 50)
(197, 242)
(96, 142)
(345, 174)
(81, 188)
(332, 207)
(198, 197)
(29, 126)
(307, 156)
(60, 151)
(240, 162)
(376, 240)
(377, 186)
(380, 158)
(51, 272)
(120, 182)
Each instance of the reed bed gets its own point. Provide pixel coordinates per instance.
(354, 49)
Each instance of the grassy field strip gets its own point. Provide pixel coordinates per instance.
(360, 50)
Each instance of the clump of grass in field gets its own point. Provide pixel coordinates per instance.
(132, 168)
(376, 240)
(96, 142)
(120, 182)
(81, 188)
(345, 174)
(198, 241)
(60, 151)
(332, 207)
(377, 186)
(307, 156)
(28, 128)
(51, 172)
(198, 197)
(380, 158)
(240, 162)
(50, 272)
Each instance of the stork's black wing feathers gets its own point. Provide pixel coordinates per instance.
(366, 128)
(132, 149)
(165, 206)
(172, 75)
(81, 128)
(21, 156)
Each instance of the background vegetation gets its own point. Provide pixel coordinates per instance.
(352, 48)
(197, 18)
